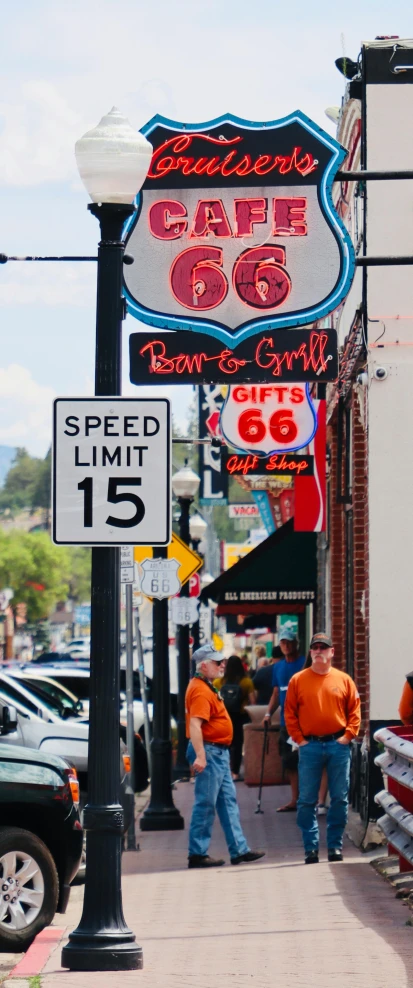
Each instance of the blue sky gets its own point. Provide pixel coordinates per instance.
(62, 66)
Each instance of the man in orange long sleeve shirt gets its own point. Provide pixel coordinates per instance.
(322, 716)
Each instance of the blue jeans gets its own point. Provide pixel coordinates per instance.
(312, 758)
(215, 792)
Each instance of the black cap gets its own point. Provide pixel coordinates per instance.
(321, 639)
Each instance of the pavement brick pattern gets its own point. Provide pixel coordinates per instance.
(277, 922)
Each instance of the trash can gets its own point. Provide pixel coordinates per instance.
(253, 745)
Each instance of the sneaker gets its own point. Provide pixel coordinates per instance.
(335, 855)
(248, 856)
(321, 809)
(311, 857)
(204, 861)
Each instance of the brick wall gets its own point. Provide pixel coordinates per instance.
(338, 550)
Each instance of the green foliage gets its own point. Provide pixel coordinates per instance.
(27, 484)
(80, 572)
(35, 569)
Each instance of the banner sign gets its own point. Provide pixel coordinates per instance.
(239, 596)
(235, 232)
(214, 483)
(178, 358)
(278, 464)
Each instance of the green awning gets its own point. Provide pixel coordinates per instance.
(278, 573)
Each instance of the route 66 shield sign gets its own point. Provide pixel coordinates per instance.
(266, 419)
(235, 230)
(160, 578)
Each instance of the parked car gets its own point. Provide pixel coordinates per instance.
(41, 837)
(43, 657)
(78, 643)
(69, 703)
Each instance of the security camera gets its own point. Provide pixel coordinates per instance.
(363, 379)
(380, 373)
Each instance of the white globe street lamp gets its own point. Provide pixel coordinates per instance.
(185, 483)
(113, 159)
(197, 528)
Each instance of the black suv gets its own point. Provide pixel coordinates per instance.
(40, 841)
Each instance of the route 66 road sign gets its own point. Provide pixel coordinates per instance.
(184, 610)
(265, 419)
(160, 578)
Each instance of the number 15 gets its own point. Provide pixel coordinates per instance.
(113, 497)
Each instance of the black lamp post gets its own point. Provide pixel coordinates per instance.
(161, 814)
(185, 484)
(113, 161)
(197, 530)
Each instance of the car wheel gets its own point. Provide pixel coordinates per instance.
(29, 887)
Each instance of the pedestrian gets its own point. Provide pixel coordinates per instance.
(209, 728)
(323, 791)
(281, 674)
(263, 678)
(322, 715)
(406, 701)
(237, 691)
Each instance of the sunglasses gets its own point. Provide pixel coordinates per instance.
(322, 648)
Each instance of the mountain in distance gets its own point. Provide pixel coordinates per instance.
(7, 455)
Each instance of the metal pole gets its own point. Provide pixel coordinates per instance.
(143, 693)
(161, 814)
(103, 941)
(182, 770)
(130, 726)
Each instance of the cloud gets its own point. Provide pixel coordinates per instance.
(48, 284)
(25, 410)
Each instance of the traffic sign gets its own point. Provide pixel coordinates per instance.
(127, 565)
(189, 561)
(184, 610)
(160, 578)
(106, 452)
(194, 585)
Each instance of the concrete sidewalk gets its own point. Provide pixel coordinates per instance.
(274, 922)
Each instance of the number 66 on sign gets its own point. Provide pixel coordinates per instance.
(111, 471)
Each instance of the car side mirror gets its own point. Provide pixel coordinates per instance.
(9, 720)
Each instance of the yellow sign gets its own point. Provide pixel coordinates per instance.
(233, 551)
(189, 561)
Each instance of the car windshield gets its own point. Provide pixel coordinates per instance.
(52, 703)
(45, 701)
(53, 690)
(79, 685)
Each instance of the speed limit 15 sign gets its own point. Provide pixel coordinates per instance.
(111, 471)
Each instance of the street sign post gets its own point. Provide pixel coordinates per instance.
(184, 610)
(189, 561)
(127, 565)
(111, 471)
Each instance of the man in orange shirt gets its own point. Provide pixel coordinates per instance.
(322, 715)
(209, 728)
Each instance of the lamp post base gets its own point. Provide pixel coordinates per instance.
(101, 953)
(169, 819)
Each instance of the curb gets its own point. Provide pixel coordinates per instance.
(38, 954)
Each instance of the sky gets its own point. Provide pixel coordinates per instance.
(62, 67)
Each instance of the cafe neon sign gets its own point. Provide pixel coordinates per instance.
(235, 232)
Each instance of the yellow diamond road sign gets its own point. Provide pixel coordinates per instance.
(189, 561)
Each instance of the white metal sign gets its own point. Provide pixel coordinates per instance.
(111, 471)
(184, 610)
(243, 511)
(160, 578)
(205, 624)
(127, 564)
(5, 598)
(265, 419)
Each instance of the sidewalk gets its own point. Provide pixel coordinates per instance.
(275, 922)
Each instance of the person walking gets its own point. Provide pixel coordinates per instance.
(209, 729)
(263, 677)
(322, 716)
(237, 690)
(281, 674)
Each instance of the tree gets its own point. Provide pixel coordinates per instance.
(20, 483)
(35, 569)
(80, 575)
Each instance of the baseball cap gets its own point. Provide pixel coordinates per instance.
(321, 639)
(287, 635)
(207, 653)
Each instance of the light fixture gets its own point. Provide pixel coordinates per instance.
(113, 159)
(197, 527)
(185, 483)
(347, 67)
(333, 113)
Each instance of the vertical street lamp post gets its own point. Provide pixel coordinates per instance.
(113, 162)
(197, 530)
(185, 484)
